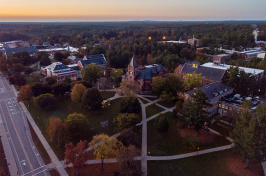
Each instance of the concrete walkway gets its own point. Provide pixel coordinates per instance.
(264, 167)
(190, 154)
(45, 144)
(12, 166)
(144, 165)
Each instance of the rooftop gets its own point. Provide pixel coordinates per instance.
(212, 90)
(225, 67)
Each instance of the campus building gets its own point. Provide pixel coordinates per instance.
(214, 92)
(143, 74)
(61, 71)
(209, 74)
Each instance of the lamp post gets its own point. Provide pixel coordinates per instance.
(198, 151)
(102, 158)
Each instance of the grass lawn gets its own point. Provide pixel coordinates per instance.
(65, 107)
(143, 101)
(107, 94)
(35, 68)
(95, 169)
(222, 163)
(152, 110)
(222, 128)
(173, 142)
(151, 98)
(168, 104)
(29, 79)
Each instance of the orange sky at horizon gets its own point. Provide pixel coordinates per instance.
(78, 10)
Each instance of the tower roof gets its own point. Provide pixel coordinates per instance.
(133, 62)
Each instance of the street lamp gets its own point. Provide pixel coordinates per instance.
(164, 37)
(198, 151)
(149, 38)
(102, 158)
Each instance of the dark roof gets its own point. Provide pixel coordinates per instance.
(133, 62)
(57, 66)
(98, 59)
(149, 71)
(205, 71)
(212, 90)
(30, 50)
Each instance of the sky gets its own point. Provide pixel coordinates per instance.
(128, 10)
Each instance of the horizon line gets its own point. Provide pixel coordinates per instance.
(77, 21)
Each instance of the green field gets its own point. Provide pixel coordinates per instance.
(152, 110)
(173, 143)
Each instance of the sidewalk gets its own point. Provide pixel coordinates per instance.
(190, 154)
(54, 159)
(12, 166)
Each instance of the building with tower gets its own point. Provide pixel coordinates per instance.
(143, 74)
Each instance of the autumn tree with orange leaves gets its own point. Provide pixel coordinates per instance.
(25, 93)
(76, 155)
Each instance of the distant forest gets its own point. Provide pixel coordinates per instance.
(119, 40)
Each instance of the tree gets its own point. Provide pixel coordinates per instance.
(25, 93)
(46, 101)
(130, 105)
(116, 75)
(126, 120)
(50, 80)
(3, 64)
(127, 164)
(170, 84)
(39, 88)
(191, 81)
(129, 87)
(158, 84)
(59, 56)
(249, 137)
(19, 80)
(28, 70)
(194, 110)
(17, 68)
(91, 73)
(56, 131)
(76, 155)
(161, 123)
(60, 88)
(77, 126)
(23, 57)
(45, 61)
(91, 99)
(105, 147)
(77, 92)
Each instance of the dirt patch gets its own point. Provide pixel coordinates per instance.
(204, 137)
(236, 166)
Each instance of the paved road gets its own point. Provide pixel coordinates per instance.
(27, 157)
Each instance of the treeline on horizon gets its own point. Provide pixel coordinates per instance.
(119, 40)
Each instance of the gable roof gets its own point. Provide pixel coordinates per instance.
(149, 71)
(212, 90)
(56, 66)
(30, 50)
(133, 62)
(98, 59)
(208, 72)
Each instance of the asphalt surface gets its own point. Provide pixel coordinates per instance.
(27, 157)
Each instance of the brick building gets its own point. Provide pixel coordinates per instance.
(214, 92)
(98, 59)
(61, 71)
(193, 42)
(143, 74)
(222, 58)
(209, 74)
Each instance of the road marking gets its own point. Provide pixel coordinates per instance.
(33, 170)
(20, 139)
(11, 140)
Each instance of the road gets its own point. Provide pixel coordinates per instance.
(27, 157)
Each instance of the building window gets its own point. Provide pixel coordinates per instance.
(220, 105)
(226, 107)
(223, 106)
